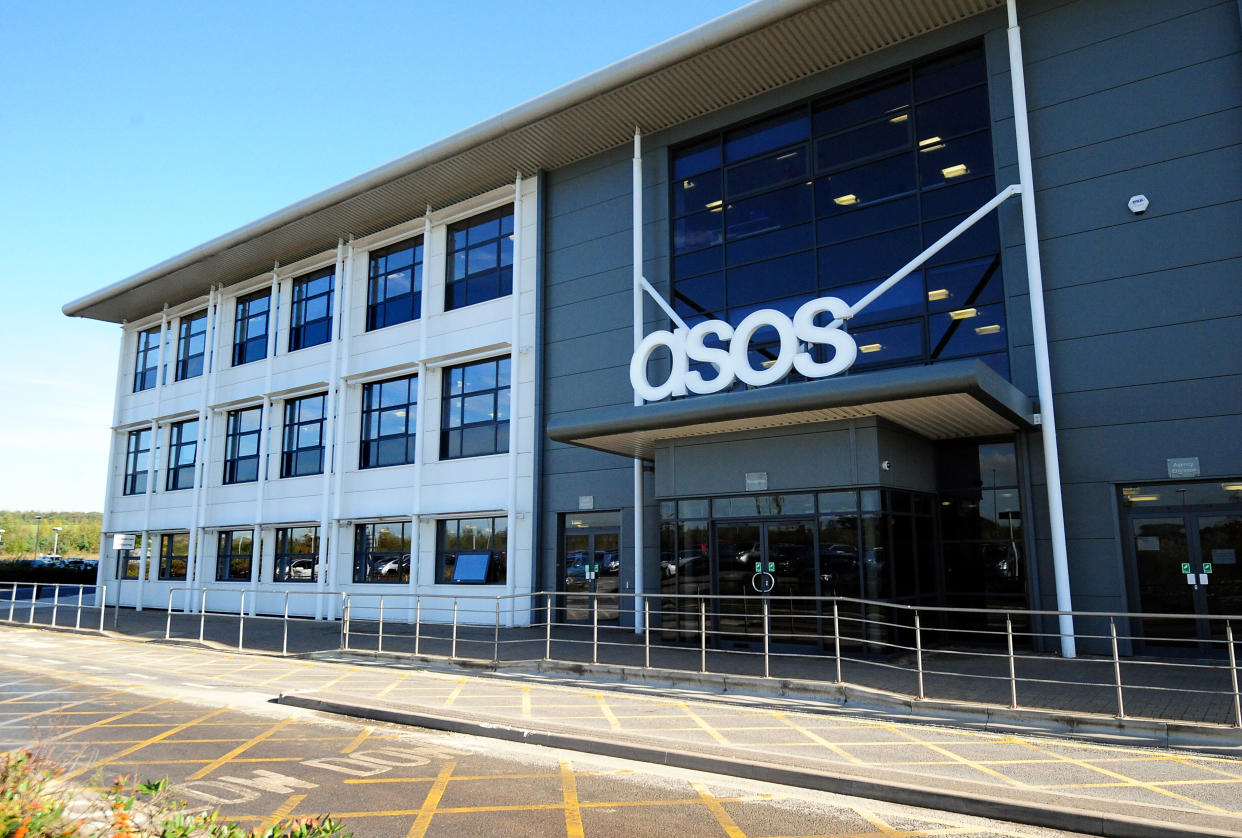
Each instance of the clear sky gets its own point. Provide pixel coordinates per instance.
(133, 131)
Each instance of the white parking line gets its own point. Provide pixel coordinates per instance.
(140, 675)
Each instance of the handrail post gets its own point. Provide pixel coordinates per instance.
(836, 636)
(918, 652)
(34, 597)
(202, 615)
(55, 603)
(1013, 676)
(1121, 707)
(702, 635)
(453, 646)
(77, 623)
(1233, 675)
(241, 620)
(547, 626)
(103, 606)
(496, 635)
(12, 600)
(418, 622)
(594, 629)
(647, 633)
(168, 616)
(284, 643)
(349, 604)
(380, 642)
(767, 623)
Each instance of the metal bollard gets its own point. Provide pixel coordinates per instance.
(594, 629)
(284, 642)
(418, 622)
(55, 603)
(103, 606)
(34, 597)
(918, 652)
(345, 609)
(380, 642)
(168, 617)
(836, 637)
(647, 633)
(496, 635)
(77, 623)
(1121, 707)
(547, 627)
(202, 616)
(1233, 675)
(453, 647)
(1013, 677)
(241, 620)
(12, 600)
(767, 627)
(702, 635)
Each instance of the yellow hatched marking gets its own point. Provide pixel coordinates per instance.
(281, 813)
(139, 746)
(573, 811)
(958, 758)
(1129, 781)
(461, 685)
(718, 812)
(275, 678)
(338, 678)
(61, 711)
(197, 761)
(701, 722)
(541, 807)
(491, 778)
(525, 702)
(390, 687)
(25, 697)
(613, 721)
(108, 721)
(431, 801)
(876, 821)
(357, 740)
(819, 740)
(240, 749)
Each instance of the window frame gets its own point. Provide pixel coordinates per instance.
(290, 454)
(168, 544)
(287, 555)
(176, 444)
(135, 482)
(370, 440)
(453, 428)
(458, 289)
(147, 359)
(377, 280)
(233, 437)
(227, 556)
(299, 303)
(246, 311)
(366, 560)
(185, 335)
(446, 558)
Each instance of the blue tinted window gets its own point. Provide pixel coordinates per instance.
(862, 143)
(866, 184)
(767, 172)
(772, 133)
(395, 284)
(890, 100)
(697, 193)
(696, 158)
(481, 259)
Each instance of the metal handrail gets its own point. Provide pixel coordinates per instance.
(57, 604)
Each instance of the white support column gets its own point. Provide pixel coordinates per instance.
(101, 574)
(265, 435)
(416, 515)
(1039, 327)
(192, 563)
(330, 466)
(638, 336)
(155, 437)
(213, 363)
(347, 295)
(514, 399)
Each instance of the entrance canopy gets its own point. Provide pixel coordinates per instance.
(959, 399)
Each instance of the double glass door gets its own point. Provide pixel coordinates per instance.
(1187, 563)
(592, 570)
(762, 561)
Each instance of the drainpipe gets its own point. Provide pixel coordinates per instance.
(416, 517)
(347, 296)
(330, 467)
(1039, 325)
(511, 540)
(638, 336)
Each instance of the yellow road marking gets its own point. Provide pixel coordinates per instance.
(109, 720)
(491, 778)
(242, 748)
(875, 820)
(958, 758)
(525, 702)
(722, 817)
(613, 721)
(461, 685)
(357, 740)
(816, 738)
(285, 808)
(538, 807)
(388, 688)
(431, 801)
(275, 678)
(569, 792)
(139, 746)
(60, 709)
(698, 720)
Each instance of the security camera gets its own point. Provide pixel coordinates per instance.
(886, 465)
(1138, 204)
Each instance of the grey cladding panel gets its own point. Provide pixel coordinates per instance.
(1053, 27)
(1083, 503)
(593, 351)
(569, 290)
(586, 184)
(1139, 452)
(1160, 402)
(606, 218)
(568, 321)
(585, 390)
(590, 257)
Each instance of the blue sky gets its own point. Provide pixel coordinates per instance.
(132, 132)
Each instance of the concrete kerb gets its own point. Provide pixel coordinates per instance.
(1155, 733)
(897, 787)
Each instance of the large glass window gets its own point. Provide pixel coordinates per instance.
(831, 197)
(234, 554)
(127, 561)
(472, 551)
(191, 345)
(395, 284)
(174, 555)
(382, 552)
(310, 322)
(389, 422)
(302, 452)
(297, 555)
(475, 409)
(241, 445)
(250, 327)
(137, 461)
(182, 448)
(147, 360)
(480, 259)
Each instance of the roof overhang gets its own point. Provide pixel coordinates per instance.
(760, 47)
(954, 400)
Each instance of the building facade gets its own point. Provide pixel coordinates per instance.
(725, 389)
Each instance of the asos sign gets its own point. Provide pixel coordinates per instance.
(797, 336)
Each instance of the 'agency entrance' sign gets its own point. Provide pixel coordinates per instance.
(797, 336)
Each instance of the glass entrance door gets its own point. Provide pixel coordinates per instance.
(757, 561)
(1187, 563)
(592, 569)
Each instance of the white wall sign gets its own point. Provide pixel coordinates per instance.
(1183, 466)
(797, 337)
(123, 541)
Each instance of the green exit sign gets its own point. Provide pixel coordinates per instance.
(1185, 567)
